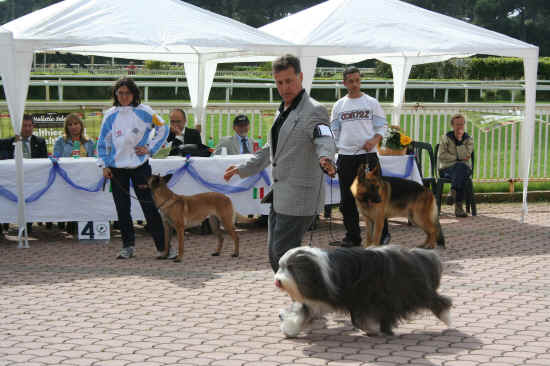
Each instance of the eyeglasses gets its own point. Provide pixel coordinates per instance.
(124, 94)
(176, 121)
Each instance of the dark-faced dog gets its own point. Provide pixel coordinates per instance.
(179, 211)
(379, 198)
(377, 287)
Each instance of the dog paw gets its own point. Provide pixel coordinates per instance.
(215, 254)
(235, 255)
(177, 260)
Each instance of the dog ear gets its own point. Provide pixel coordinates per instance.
(361, 171)
(167, 178)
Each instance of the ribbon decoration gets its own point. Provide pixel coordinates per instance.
(408, 171)
(187, 167)
(245, 185)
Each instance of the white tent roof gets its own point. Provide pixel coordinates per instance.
(166, 30)
(382, 28)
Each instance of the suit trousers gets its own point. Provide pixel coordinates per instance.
(121, 196)
(284, 232)
(347, 171)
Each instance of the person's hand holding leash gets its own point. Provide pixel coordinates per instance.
(107, 173)
(230, 172)
(328, 166)
(371, 143)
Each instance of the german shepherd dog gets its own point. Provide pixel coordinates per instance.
(379, 198)
(179, 211)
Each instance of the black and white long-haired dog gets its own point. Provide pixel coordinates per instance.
(377, 287)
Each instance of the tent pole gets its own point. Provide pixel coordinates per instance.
(530, 64)
(401, 71)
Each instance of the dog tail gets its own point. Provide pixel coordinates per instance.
(435, 217)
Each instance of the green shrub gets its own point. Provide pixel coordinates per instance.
(156, 65)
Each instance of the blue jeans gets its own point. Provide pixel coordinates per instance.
(459, 173)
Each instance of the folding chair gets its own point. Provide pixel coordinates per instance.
(469, 189)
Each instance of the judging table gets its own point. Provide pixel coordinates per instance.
(71, 189)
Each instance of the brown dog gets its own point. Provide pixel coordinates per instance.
(379, 198)
(179, 211)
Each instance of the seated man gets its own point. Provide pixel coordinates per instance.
(33, 147)
(240, 143)
(455, 150)
(180, 134)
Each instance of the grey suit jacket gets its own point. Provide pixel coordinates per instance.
(233, 145)
(298, 181)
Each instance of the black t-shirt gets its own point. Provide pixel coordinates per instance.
(281, 118)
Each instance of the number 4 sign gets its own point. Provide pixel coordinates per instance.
(94, 230)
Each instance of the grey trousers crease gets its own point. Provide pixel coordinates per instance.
(284, 232)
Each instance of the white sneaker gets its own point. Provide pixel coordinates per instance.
(173, 253)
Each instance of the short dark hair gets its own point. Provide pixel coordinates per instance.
(28, 117)
(286, 61)
(182, 113)
(241, 119)
(131, 85)
(350, 70)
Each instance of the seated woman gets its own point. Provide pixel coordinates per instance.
(74, 131)
(64, 145)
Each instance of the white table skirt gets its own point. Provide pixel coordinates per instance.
(62, 202)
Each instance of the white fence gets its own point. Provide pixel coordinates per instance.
(496, 143)
(514, 87)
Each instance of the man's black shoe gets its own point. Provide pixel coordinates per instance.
(386, 239)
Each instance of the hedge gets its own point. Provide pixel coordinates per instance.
(475, 68)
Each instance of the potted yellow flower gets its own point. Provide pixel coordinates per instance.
(395, 142)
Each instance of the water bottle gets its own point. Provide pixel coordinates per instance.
(260, 141)
(210, 142)
(76, 150)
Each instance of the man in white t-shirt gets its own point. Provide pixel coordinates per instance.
(359, 124)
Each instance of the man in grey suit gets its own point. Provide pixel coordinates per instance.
(240, 143)
(300, 147)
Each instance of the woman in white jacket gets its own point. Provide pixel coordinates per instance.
(124, 148)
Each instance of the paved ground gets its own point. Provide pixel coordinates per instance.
(68, 303)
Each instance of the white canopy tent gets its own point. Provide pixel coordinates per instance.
(165, 30)
(403, 35)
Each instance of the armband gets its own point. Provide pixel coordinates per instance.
(322, 130)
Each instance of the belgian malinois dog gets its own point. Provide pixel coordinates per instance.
(379, 198)
(179, 211)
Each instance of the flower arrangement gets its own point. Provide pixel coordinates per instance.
(395, 139)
